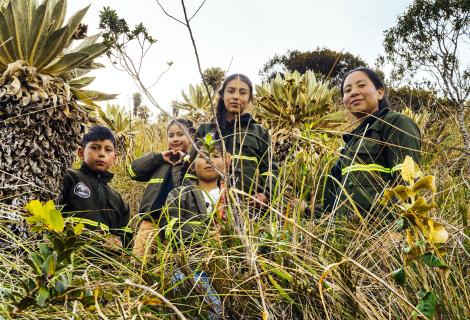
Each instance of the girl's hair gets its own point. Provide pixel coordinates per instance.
(184, 122)
(221, 110)
(374, 77)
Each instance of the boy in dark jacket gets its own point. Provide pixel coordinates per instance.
(86, 196)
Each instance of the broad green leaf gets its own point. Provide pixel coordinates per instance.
(432, 261)
(81, 82)
(15, 19)
(42, 296)
(7, 53)
(399, 276)
(427, 305)
(53, 46)
(35, 261)
(74, 21)
(67, 62)
(89, 96)
(58, 13)
(48, 268)
(39, 32)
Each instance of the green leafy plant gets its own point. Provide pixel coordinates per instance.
(424, 235)
(54, 278)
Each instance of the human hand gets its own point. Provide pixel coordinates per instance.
(258, 200)
(173, 157)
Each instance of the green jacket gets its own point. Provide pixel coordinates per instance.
(87, 198)
(255, 167)
(371, 159)
(186, 213)
(152, 169)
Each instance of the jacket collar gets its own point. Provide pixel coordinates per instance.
(367, 121)
(104, 177)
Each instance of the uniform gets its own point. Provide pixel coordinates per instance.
(371, 160)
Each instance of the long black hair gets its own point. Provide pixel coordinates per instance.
(374, 77)
(221, 110)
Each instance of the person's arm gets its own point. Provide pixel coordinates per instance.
(143, 168)
(269, 166)
(403, 139)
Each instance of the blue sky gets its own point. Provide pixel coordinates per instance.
(245, 33)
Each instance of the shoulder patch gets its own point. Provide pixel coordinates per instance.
(82, 190)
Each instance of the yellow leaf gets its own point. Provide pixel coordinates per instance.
(428, 182)
(151, 301)
(437, 232)
(35, 208)
(78, 228)
(409, 237)
(408, 170)
(421, 207)
(264, 315)
(403, 192)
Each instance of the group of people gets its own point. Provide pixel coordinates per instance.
(183, 194)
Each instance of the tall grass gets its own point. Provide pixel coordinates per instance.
(284, 262)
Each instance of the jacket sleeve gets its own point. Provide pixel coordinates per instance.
(403, 139)
(269, 165)
(143, 168)
(123, 231)
(177, 219)
(67, 185)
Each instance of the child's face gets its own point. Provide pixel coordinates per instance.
(177, 140)
(236, 96)
(205, 171)
(99, 155)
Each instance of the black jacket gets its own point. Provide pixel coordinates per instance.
(371, 160)
(87, 198)
(152, 169)
(256, 168)
(185, 213)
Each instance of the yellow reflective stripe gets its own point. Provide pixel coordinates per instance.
(156, 180)
(89, 222)
(242, 157)
(268, 174)
(365, 167)
(190, 176)
(126, 229)
(397, 167)
(131, 172)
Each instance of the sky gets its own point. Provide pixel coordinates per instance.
(238, 35)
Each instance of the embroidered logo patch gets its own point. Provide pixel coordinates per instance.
(82, 190)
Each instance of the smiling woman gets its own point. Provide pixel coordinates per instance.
(373, 153)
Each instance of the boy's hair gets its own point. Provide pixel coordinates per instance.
(98, 133)
(184, 122)
(193, 153)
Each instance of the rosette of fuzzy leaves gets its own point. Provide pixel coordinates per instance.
(43, 103)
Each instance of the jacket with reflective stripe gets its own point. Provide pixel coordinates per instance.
(372, 158)
(86, 197)
(256, 168)
(185, 212)
(152, 169)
